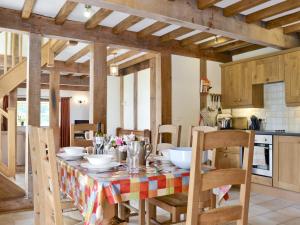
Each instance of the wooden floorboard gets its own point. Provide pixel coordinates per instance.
(9, 190)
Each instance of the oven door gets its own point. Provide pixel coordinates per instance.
(262, 160)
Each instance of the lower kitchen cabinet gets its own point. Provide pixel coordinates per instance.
(228, 158)
(286, 163)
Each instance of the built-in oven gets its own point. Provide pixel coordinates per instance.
(263, 155)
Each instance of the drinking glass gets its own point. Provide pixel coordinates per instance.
(133, 157)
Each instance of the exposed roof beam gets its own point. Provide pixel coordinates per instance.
(292, 28)
(246, 49)
(10, 19)
(126, 23)
(191, 17)
(64, 12)
(27, 8)
(212, 43)
(137, 60)
(152, 29)
(175, 33)
(59, 46)
(134, 68)
(79, 68)
(78, 55)
(61, 87)
(241, 6)
(100, 15)
(232, 46)
(203, 4)
(272, 10)
(67, 80)
(122, 57)
(283, 20)
(195, 38)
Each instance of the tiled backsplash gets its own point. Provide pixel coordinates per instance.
(277, 115)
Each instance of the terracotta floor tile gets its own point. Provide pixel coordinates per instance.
(275, 204)
(292, 222)
(276, 217)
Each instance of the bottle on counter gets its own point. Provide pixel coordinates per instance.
(99, 140)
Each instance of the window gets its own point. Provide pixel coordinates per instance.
(22, 113)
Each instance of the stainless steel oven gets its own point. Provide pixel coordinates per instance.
(263, 155)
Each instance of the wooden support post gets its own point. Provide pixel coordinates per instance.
(166, 92)
(122, 101)
(98, 84)
(5, 51)
(33, 95)
(54, 99)
(135, 101)
(153, 124)
(203, 74)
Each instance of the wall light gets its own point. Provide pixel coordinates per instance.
(114, 68)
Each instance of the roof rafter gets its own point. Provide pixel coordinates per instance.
(292, 28)
(195, 38)
(193, 18)
(175, 33)
(214, 42)
(100, 15)
(203, 4)
(152, 29)
(246, 49)
(27, 8)
(84, 51)
(126, 23)
(272, 10)
(241, 6)
(232, 46)
(283, 20)
(65, 11)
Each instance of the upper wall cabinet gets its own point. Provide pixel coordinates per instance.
(292, 78)
(268, 70)
(237, 88)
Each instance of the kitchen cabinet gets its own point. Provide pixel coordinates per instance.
(268, 70)
(286, 162)
(292, 78)
(228, 158)
(237, 88)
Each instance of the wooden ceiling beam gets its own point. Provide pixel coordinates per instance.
(284, 20)
(152, 29)
(185, 14)
(241, 6)
(61, 87)
(175, 33)
(10, 19)
(246, 49)
(292, 28)
(212, 43)
(100, 15)
(195, 38)
(126, 23)
(122, 57)
(232, 46)
(272, 10)
(27, 8)
(137, 60)
(59, 46)
(84, 51)
(203, 4)
(64, 12)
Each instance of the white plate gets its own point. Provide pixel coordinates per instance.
(70, 157)
(107, 166)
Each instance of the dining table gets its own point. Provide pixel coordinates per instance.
(96, 193)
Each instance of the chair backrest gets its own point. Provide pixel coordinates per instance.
(200, 182)
(140, 134)
(81, 129)
(211, 155)
(49, 177)
(36, 175)
(174, 130)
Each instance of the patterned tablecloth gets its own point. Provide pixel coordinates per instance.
(90, 190)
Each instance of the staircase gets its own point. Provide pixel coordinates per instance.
(17, 75)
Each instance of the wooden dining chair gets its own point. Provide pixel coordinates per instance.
(49, 201)
(200, 182)
(169, 129)
(80, 129)
(67, 204)
(176, 204)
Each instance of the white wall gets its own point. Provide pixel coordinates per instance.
(143, 121)
(128, 101)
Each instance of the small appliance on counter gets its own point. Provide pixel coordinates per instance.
(255, 123)
(240, 123)
(224, 121)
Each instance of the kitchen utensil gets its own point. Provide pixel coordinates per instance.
(255, 124)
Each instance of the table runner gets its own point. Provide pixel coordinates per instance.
(90, 190)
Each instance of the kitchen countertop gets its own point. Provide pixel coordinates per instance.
(278, 133)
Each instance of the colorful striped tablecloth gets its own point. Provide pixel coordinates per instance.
(90, 190)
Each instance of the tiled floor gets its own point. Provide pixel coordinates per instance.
(264, 210)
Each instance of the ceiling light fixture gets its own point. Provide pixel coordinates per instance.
(114, 68)
(216, 39)
(87, 11)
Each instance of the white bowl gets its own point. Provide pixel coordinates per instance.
(99, 159)
(73, 150)
(181, 157)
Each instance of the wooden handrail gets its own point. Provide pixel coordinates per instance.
(3, 113)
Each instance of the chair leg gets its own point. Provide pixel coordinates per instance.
(175, 217)
(142, 212)
(150, 212)
(124, 212)
(213, 201)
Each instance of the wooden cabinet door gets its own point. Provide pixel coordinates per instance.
(286, 163)
(245, 83)
(229, 85)
(268, 70)
(292, 78)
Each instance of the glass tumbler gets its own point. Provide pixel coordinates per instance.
(133, 157)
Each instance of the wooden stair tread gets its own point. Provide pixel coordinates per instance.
(9, 190)
(178, 199)
(16, 205)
